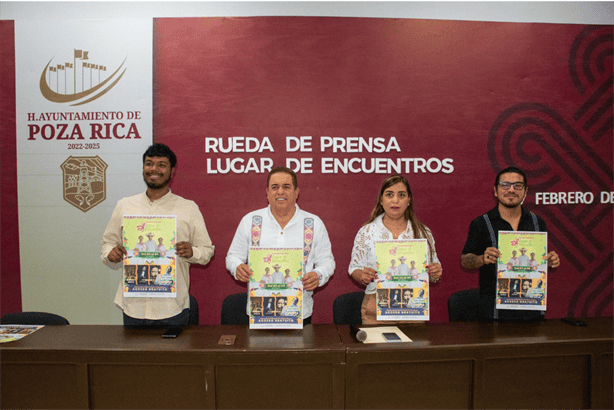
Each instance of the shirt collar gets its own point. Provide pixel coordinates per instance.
(164, 199)
(294, 217)
(495, 214)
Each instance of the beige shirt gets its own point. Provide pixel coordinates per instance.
(190, 228)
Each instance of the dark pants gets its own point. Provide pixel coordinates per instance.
(179, 320)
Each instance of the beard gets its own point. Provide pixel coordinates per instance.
(505, 202)
(156, 185)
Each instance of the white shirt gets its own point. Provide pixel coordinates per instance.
(190, 227)
(320, 258)
(277, 277)
(363, 252)
(403, 269)
(150, 245)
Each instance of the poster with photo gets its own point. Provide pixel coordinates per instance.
(276, 288)
(402, 281)
(10, 333)
(522, 271)
(149, 265)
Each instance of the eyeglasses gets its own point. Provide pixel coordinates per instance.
(507, 185)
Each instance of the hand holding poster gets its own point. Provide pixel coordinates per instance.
(276, 289)
(402, 280)
(522, 270)
(149, 265)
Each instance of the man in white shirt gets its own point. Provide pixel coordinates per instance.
(193, 242)
(282, 225)
(403, 268)
(277, 276)
(523, 260)
(150, 245)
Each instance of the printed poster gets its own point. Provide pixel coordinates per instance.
(10, 333)
(149, 266)
(276, 288)
(402, 280)
(522, 276)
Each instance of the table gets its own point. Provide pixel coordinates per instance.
(548, 364)
(93, 366)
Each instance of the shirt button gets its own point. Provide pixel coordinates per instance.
(281, 233)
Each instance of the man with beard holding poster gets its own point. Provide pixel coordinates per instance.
(193, 242)
(481, 250)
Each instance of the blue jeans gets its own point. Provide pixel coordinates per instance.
(178, 320)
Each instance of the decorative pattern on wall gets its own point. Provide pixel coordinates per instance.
(557, 155)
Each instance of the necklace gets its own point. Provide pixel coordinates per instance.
(396, 227)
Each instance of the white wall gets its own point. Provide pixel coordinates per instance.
(545, 12)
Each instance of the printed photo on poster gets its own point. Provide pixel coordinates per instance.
(522, 273)
(402, 280)
(149, 265)
(10, 333)
(276, 289)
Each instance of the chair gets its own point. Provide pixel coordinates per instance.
(346, 309)
(33, 318)
(234, 310)
(193, 319)
(463, 305)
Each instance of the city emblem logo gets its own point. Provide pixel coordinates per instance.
(79, 82)
(84, 181)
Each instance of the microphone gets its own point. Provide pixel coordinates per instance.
(360, 335)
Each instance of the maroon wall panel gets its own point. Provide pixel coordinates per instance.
(10, 278)
(486, 95)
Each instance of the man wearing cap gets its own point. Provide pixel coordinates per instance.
(481, 250)
(284, 225)
(193, 242)
(403, 268)
(150, 245)
(277, 276)
(523, 259)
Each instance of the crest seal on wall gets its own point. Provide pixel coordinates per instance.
(84, 181)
